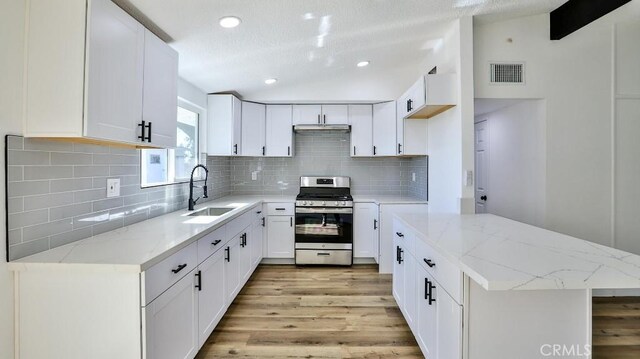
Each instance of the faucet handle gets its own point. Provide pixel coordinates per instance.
(204, 189)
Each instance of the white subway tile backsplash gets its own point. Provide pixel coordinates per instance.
(47, 172)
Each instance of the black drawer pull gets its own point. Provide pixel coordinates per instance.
(263, 224)
(258, 212)
(216, 242)
(227, 255)
(324, 254)
(280, 209)
(180, 267)
(399, 234)
(429, 262)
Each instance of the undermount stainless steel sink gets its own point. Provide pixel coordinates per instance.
(212, 212)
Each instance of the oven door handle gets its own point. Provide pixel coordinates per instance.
(324, 210)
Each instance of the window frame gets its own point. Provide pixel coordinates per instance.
(170, 152)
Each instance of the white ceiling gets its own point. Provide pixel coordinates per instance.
(312, 46)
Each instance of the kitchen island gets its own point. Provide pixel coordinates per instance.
(466, 282)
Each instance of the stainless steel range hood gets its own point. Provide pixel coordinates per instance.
(309, 128)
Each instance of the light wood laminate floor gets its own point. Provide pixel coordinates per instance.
(616, 328)
(314, 312)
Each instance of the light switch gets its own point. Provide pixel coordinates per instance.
(113, 187)
(413, 176)
(254, 175)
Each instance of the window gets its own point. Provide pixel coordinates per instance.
(166, 166)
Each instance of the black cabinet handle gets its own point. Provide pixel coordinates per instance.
(401, 257)
(429, 262)
(354, 150)
(216, 242)
(431, 287)
(288, 150)
(235, 149)
(399, 234)
(180, 267)
(426, 289)
(399, 148)
(324, 119)
(263, 224)
(144, 136)
(199, 285)
(143, 130)
(398, 254)
(258, 212)
(149, 136)
(280, 209)
(375, 224)
(263, 150)
(374, 151)
(318, 119)
(243, 240)
(291, 221)
(410, 104)
(227, 254)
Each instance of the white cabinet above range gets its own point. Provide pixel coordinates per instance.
(320, 114)
(120, 81)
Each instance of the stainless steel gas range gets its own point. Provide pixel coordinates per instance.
(324, 221)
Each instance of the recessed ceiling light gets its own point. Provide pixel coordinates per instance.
(270, 81)
(363, 63)
(230, 21)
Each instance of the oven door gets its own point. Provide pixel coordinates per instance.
(324, 225)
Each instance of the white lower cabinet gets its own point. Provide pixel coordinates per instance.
(256, 237)
(433, 315)
(232, 269)
(211, 300)
(171, 322)
(280, 237)
(365, 230)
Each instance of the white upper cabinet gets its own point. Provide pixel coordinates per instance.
(361, 118)
(253, 129)
(98, 54)
(320, 114)
(115, 74)
(335, 114)
(160, 92)
(384, 128)
(307, 114)
(428, 97)
(279, 139)
(224, 126)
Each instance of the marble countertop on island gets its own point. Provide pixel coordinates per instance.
(502, 254)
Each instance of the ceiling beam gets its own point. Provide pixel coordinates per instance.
(575, 14)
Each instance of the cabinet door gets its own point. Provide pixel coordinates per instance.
(256, 240)
(279, 139)
(449, 319)
(211, 295)
(361, 119)
(416, 96)
(401, 111)
(224, 125)
(307, 114)
(384, 128)
(115, 61)
(171, 329)
(232, 270)
(398, 273)
(244, 256)
(364, 232)
(160, 91)
(335, 114)
(280, 237)
(410, 297)
(427, 332)
(253, 129)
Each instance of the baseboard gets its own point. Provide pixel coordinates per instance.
(364, 261)
(635, 292)
(278, 261)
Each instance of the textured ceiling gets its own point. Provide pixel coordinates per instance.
(307, 43)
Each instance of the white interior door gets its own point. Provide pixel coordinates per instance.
(482, 165)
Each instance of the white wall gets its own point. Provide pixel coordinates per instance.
(450, 135)
(11, 59)
(574, 75)
(517, 168)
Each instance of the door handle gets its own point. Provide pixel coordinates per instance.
(484, 198)
(199, 285)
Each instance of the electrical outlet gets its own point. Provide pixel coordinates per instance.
(413, 176)
(113, 187)
(254, 175)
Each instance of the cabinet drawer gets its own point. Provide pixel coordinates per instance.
(211, 243)
(240, 223)
(163, 275)
(280, 209)
(404, 236)
(446, 273)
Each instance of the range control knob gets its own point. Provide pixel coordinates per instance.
(336, 203)
(344, 203)
(304, 203)
(324, 203)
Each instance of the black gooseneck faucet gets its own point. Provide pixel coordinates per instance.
(192, 202)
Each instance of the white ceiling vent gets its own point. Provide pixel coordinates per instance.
(507, 73)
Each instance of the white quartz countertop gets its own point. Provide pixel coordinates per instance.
(502, 254)
(139, 246)
(388, 199)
